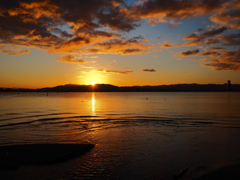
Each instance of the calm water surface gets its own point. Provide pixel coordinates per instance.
(137, 135)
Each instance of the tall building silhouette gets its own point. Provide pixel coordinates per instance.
(229, 85)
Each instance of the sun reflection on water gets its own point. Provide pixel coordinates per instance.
(93, 104)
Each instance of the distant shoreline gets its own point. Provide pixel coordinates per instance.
(112, 88)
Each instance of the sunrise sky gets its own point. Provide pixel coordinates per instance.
(149, 42)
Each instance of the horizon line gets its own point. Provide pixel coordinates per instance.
(116, 85)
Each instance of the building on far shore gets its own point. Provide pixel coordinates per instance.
(229, 85)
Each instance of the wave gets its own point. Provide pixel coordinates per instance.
(29, 116)
(116, 119)
(43, 119)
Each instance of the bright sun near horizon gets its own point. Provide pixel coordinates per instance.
(93, 82)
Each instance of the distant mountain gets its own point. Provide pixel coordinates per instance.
(81, 88)
(112, 88)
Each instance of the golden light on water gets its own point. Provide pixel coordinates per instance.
(93, 104)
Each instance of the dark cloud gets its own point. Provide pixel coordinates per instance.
(148, 70)
(200, 29)
(218, 58)
(230, 57)
(132, 51)
(36, 23)
(188, 53)
(209, 53)
(231, 39)
(212, 41)
(138, 37)
(65, 34)
(94, 14)
(100, 26)
(216, 49)
(166, 45)
(224, 66)
(160, 10)
(213, 32)
(204, 38)
(228, 15)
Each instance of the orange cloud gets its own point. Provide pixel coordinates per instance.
(38, 23)
(228, 15)
(118, 46)
(98, 27)
(71, 59)
(19, 52)
(166, 45)
(161, 11)
(13, 50)
(116, 72)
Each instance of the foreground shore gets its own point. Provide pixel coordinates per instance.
(225, 173)
(15, 156)
(230, 172)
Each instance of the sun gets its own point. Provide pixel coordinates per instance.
(93, 82)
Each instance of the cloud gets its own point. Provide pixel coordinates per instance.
(224, 66)
(171, 11)
(212, 41)
(19, 52)
(132, 51)
(12, 50)
(188, 53)
(124, 47)
(209, 53)
(71, 59)
(215, 49)
(101, 26)
(218, 58)
(148, 70)
(228, 15)
(212, 37)
(125, 72)
(196, 52)
(207, 37)
(231, 39)
(37, 24)
(213, 32)
(166, 45)
(225, 13)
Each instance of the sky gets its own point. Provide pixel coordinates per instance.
(45, 43)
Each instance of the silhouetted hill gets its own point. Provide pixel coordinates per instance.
(81, 88)
(112, 88)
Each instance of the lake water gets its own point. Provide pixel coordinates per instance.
(143, 135)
